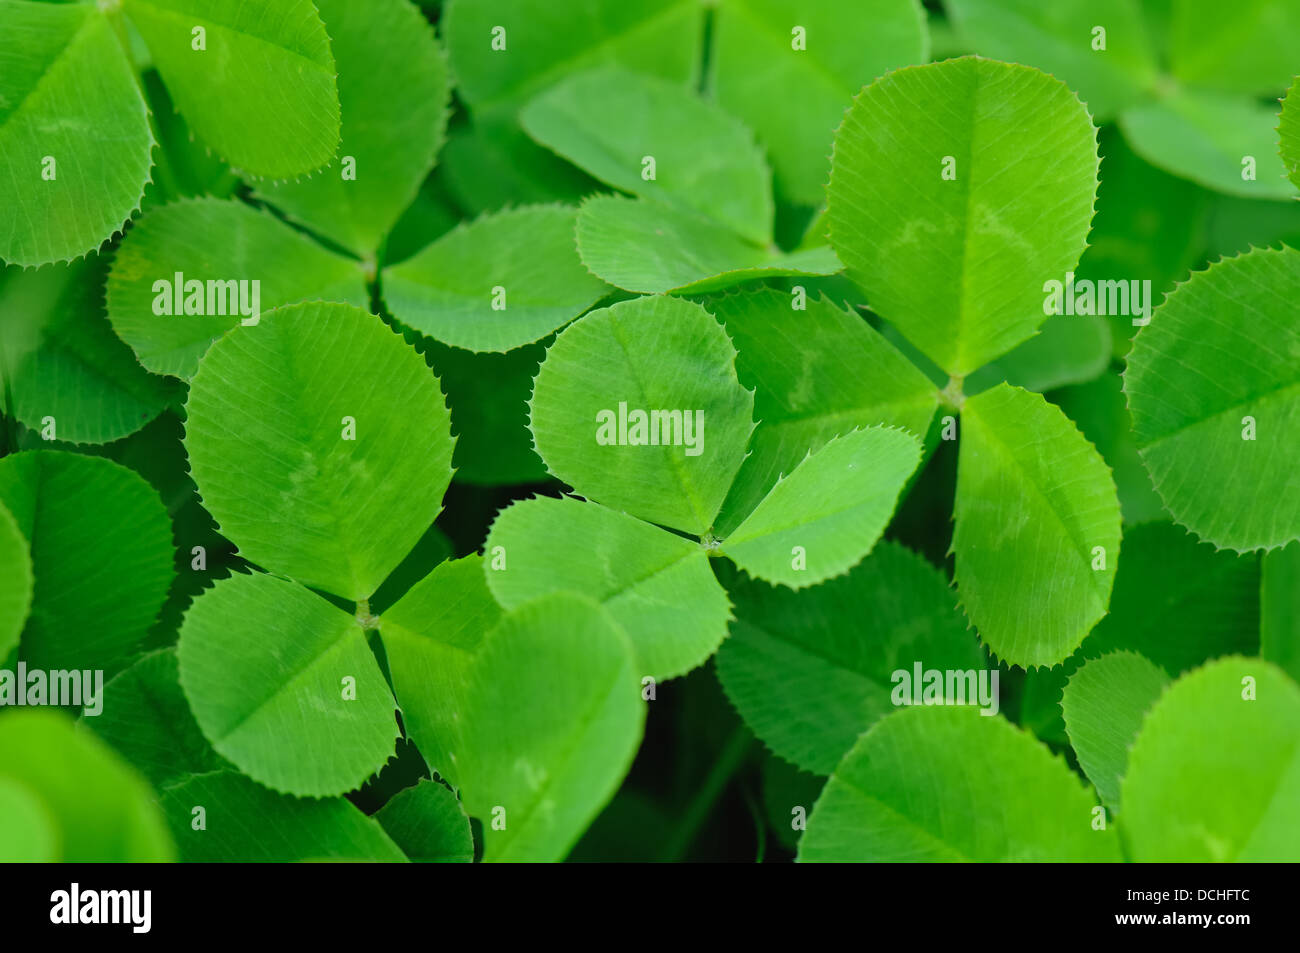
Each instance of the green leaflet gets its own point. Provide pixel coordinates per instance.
(246, 823)
(427, 823)
(93, 806)
(75, 142)
(661, 141)
(657, 586)
(1037, 527)
(827, 513)
(395, 92)
(28, 834)
(299, 456)
(431, 637)
(791, 88)
(473, 289)
(147, 720)
(1104, 704)
(1178, 602)
(1227, 790)
(947, 784)
(811, 671)
(815, 373)
(1250, 47)
(1099, 409)
(690, 253)
(1289, 130)
(283, 685)
(1059, 38)
(644, 356)
(16, 569)
(61, 359)
(1213, 384)
(553, 716)
(262, 93)
(1204, 136)
(1279, 609)
(101, 548)
(959, 265)
(214, 242)
(538, 42)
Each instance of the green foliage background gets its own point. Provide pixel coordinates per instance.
(361, 582)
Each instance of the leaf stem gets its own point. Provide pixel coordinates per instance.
(729, 760)
(951, 395)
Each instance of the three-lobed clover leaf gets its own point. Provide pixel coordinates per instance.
(638, 408)
(1213, 384)
(308, 471)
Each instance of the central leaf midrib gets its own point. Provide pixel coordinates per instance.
(994, 441)
(675, 465)
(186, 19)
(566, 755)
(284, 686)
